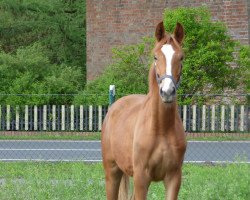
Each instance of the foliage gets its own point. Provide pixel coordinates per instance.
(58, 65)
(209, 52)
(207, 65)
(59, 25)
(128, 72)
(244, 64)
(29, 71)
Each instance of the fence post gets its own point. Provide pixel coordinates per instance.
(44, 117)
(222, 121)
(90, 118)
(81, 117)
(72, 117)
(213, 118)
(63, 118)
(26, 118)
(111, 94)
(8, 118)
(35, 118)
(194, 118)
(99, 118)
(203, 127)
(185, 117)
(242, 118)
(53, 117)
(232, 118)
(17, 118)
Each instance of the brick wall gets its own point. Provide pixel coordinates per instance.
(118, 22)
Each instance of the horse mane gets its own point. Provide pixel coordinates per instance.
(153, 85)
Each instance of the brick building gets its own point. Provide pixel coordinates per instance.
(118, 22)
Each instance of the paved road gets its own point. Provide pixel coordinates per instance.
(89, 151)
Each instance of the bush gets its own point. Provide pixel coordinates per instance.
(128, 72)
(30, 72)
(209, 53)
(207, 67)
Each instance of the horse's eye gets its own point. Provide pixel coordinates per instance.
(155, 58)
(182, 57)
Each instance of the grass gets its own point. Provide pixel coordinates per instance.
(68, 181)
(219, 138)
(51, 136)
(97, 136)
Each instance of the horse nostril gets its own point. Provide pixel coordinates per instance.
(174, 91)
(161, 91)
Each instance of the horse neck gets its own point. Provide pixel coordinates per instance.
(163, 115)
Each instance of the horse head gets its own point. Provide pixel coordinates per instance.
(168, 56)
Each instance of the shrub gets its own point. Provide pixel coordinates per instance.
(207, 67)
(128, 72)
(30, 72)
(209, 53)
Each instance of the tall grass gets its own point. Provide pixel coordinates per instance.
(76, 180)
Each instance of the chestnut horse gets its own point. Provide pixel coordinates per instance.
(143, 135)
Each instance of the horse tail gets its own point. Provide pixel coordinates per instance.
(124, 188)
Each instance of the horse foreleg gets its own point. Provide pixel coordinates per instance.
(113, 177)
(172, 184)
(141, 184)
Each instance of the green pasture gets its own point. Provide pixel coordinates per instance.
(76, 180)
(97, 136)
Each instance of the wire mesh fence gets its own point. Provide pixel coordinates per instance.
(212, 121)
(90, 151)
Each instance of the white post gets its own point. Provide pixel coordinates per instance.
(26, 118)
(35, 118)
(242, 118)
(194, 118)
(99, 118)
(111, 94)
(81, 117)
(90, 118)
(222, 118)
(72, 119)
(8, 118)
(185, 117)
(232, 118)
(213, 118)
(17, 118)
(44, 117)
(63, 118)
(53, 117)
(203, 126)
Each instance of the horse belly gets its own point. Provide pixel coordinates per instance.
(122, 151)
(119, 132)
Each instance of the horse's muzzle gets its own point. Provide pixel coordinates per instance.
(169, 95)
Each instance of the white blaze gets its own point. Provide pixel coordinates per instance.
(168, 51)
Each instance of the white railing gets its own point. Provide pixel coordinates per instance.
(222, 118)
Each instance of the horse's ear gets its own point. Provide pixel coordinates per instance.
(179, 33)
(160, 31)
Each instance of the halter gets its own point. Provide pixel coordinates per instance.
(160, 79)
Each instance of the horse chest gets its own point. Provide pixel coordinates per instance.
(163, 159)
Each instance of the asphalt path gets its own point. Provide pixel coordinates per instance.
(90, 151)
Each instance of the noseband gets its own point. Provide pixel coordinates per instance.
(160, 79)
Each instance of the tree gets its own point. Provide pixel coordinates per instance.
(207, 65)
(58, 25)
(29, 71)
(129, 72)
